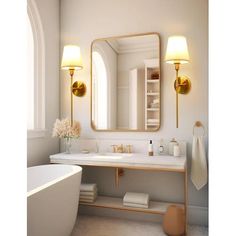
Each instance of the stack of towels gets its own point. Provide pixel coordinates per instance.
(139, 200)
(88, 192)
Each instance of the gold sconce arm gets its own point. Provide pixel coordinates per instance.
(182, 85)
(71, 96)
(177, 98)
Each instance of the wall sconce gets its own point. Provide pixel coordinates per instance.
(71, 60)
(177, 53)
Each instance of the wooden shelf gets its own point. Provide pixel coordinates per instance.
(153, 94)
(117, 203)
(155, 124)
(152, 109)
(153, 80)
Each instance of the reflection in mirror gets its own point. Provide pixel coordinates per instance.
(125, 74)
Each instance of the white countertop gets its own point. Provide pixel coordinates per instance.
(123, 160)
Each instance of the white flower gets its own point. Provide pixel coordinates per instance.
(63, 129)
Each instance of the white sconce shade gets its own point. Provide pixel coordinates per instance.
(177, 50)
(71, 58)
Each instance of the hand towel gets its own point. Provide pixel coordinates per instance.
(88, 187)
(199, 163)
(136, 198)
(135, 205)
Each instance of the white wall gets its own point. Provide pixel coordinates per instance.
(82, 21)
(39, 149)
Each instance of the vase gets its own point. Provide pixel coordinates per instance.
(174, 221)
(67, 145)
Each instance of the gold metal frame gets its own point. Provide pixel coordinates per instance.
(91, 90)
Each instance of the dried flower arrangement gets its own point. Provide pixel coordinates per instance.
(63, 129)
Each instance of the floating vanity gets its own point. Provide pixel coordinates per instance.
(123, 160)
(135, 161)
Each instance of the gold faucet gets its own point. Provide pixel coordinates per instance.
(122, 148)
(129, 148)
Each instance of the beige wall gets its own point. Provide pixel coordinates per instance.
(39, 149)
(82, 21)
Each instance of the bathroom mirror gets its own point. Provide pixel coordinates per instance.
(125, 83)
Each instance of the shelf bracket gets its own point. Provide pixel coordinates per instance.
(118, 173)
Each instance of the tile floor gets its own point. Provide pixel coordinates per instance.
(107, 226)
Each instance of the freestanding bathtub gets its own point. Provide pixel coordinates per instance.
(52, 199)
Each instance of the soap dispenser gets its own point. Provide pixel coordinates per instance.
(161, 149)
(176, 150)
(171, 145)
(150, 148)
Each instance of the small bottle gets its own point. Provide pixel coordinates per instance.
(171, 146)
(150, 148)
(161, 149)
(176, 150)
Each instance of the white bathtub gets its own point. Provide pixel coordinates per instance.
(52, 199)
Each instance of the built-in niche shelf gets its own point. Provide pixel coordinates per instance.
(152, 92)
(117, 203)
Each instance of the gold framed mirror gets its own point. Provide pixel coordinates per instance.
(126, 83)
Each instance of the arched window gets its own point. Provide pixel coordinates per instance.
(100, 91)
(30, 76)
(36, 73)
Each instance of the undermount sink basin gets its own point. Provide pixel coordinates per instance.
(111, 154)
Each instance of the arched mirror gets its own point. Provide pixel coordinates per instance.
(125, 79)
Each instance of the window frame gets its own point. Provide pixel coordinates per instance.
(39, 72)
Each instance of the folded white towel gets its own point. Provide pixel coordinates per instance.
(88, 193)
(136, 198)
(87, 197)
(87, 200)
(135, 205)
(199, 163)
(88, 187)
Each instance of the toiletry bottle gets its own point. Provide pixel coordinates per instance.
(171, 146)
(176, 150)
(150, 148)
(161, 148)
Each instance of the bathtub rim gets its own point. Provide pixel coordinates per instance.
(75, 169)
